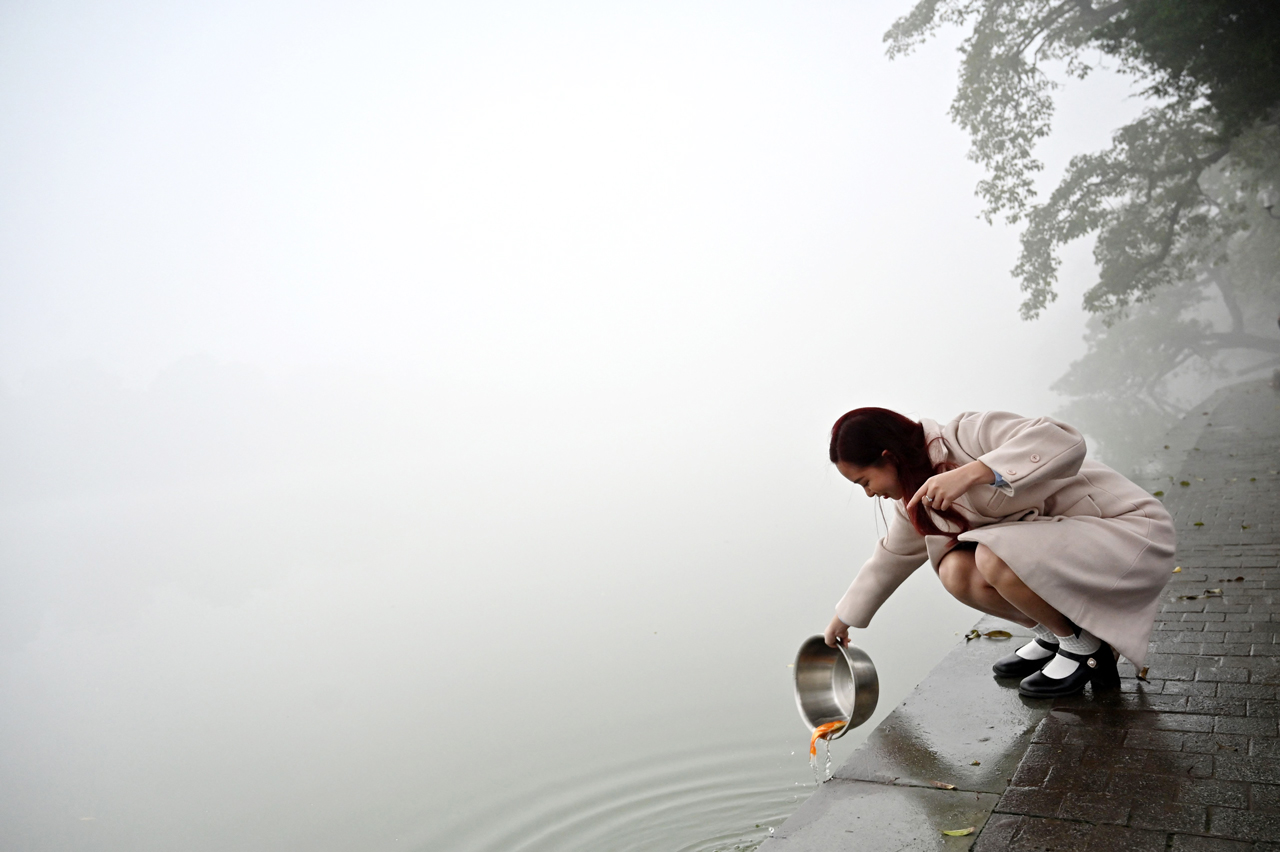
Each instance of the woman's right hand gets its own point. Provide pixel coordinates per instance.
(837, 633)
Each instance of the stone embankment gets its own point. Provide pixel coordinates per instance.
(1185, 760)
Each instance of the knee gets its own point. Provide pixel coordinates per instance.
(992, 568)
(950, 577)
(958, 577)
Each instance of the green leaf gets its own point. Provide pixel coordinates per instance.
(960, 832)
(1184, 483)
(1157, 493)
(998, 634)
(1198, 524)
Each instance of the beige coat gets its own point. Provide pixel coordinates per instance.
(1096, 547)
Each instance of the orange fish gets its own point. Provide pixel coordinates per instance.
(823, 732)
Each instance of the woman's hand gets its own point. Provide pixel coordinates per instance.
(837, 633)
(941, 490)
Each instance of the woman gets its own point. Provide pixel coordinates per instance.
(1019, 524)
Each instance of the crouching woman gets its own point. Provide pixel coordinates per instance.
(1017, 523)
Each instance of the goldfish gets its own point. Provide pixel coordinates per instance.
(823, 732)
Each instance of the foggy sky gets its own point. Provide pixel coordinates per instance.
(342, 341)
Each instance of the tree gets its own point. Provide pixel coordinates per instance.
(1173, 203)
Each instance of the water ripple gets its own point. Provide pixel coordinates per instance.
(713, 799)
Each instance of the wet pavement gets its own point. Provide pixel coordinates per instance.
(959, 727)
(1186, 760)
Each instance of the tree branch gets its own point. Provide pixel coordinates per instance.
(1242, 340)
(1103, 13)
(1261, 365)
(1039, 27)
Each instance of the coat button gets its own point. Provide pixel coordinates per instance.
(1035, 458)
(1011, 471)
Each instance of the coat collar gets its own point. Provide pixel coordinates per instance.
(938, 451)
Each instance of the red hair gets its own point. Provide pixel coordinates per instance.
(873, 437)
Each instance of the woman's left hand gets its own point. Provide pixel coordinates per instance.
(837, 633)
(941, 490)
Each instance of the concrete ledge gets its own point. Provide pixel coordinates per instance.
(960, 726)
(864, 815)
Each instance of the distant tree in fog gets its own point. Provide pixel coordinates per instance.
(1177, 205)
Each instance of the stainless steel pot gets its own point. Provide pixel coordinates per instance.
(834, 685)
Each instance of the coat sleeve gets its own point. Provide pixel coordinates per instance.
(899, 553)
(1025, 451)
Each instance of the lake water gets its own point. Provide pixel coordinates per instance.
(413, 417)
(328, 614)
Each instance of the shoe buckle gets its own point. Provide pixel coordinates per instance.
(1092, 663)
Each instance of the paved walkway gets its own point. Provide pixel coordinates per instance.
(1185, 761)
(1190, 759)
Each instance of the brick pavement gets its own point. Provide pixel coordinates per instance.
(1189, 759)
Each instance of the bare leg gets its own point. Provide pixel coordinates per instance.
(1001, 577)
(960, 576)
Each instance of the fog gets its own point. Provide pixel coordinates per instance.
(412, 410)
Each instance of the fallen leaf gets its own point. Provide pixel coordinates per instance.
(1188, 597)
(972, 634)
(1184, 483)
(1198, 524)
(1177, 570)
(1157, 493)
(1199, 479)
(942, 785)
(959, 832)
(1211, 592)
(1239, 579)
(1244, 526)
(1166, 446)
(998, 634)
(975, 763)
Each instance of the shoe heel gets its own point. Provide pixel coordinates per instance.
(1106, 675)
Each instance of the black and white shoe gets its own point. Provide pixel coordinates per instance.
(1069, 672)
(1028, 659)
